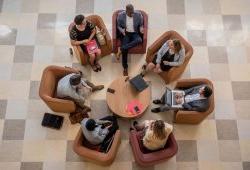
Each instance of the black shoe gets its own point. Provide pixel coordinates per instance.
(156, 110)
(157, 101)
(135, 123)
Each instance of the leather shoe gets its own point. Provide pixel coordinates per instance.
(125, 72)
(157, 101)
(156, 110)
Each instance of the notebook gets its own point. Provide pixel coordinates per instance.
(92, 47)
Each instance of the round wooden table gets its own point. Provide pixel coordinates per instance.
(124, 93)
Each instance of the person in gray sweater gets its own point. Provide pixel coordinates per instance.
(171, 54)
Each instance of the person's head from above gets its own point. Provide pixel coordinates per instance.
(175, 45)
(75, 80)
(130, 10)
(90, 124)
(80, 21)
(205, 91)
(159, 129)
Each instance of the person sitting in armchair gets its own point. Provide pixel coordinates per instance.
(194, 99)
(171, 54)
(81, 34)
(99, 132)
(75, 87)
(156, 133)
(130, 26)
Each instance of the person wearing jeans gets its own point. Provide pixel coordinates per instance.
(130, 26)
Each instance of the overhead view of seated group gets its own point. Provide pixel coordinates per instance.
(127, 97)
(119, 87)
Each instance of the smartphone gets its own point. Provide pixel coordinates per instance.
(137, 110)
(52, 121)
(111, 90)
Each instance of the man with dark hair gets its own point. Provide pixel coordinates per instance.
(82, 32)
(195, 98)
(99, 131)
(130, 26)
(75, 87)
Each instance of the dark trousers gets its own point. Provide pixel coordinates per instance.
(128, 41)
(112, 131)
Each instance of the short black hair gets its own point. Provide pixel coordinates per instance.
(129, 7)
(75, 79)
(90, 124)
(207, 91)
(78, 19)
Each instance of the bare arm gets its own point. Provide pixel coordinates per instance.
(92, 34)
(74, 42)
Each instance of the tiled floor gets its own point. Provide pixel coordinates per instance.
(33, 35)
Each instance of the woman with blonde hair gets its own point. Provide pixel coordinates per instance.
(156, 133)
(171, 54)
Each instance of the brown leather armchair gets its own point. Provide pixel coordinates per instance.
(193, 117)
(141, 48)
(47, 90)
(82, 148)
(145, 157)
(106, 49)
(175, 72)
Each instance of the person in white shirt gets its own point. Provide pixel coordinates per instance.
(130, 28)
(73, 86)
(156, 133)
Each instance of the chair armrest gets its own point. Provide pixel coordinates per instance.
(115, 145)
(192, 82)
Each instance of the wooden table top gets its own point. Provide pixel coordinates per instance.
(124, 93)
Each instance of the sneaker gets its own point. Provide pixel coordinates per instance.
(157, 101)
(125, 72)
(155, 110)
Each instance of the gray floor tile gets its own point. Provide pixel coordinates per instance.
(241, 90)
(246, 165)
(232, 22)
(3, 106)
(135, 166)
(176, 7)
(229, 150)
(23, 54)
(217, 54)
(227, 130)
(34, 90)
(11, 150)
(71, 156)
(10, 37)
(84, 6)
(46, 21)
(31, 166)
(197, 37)
(13, 129)
(187, 151)
(99, 109)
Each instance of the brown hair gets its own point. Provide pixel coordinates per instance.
(159, 129)
(177, 45)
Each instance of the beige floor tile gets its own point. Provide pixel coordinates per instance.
(167, 165)
(11, 150)
(195, 22)
(229, 150)
(72, 131)
(245, 150)
(243, 129)
(187, 166)
(228, 7)
(55, 150)
(225, 110)
(215, 38)
(176, 22)
(223, 91)
(220, 72)
(124, 152)
(27, 20)
(34, 151)
(236, 55)
(121, 165)
(1, 127)
(242, 109)
(7, 54)
(207, 165)
(235, 38)
(10, 19)
(47, 6)
(207, 150)
(200, 71)
(200, 56)
(232, 165)
(53, 165)
(10, 165)
(204, 131)
(34, 130)
(8, 89)
(239, 72)
(76, 165)
(16, 109)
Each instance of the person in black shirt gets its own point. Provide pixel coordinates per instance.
(82, 32)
